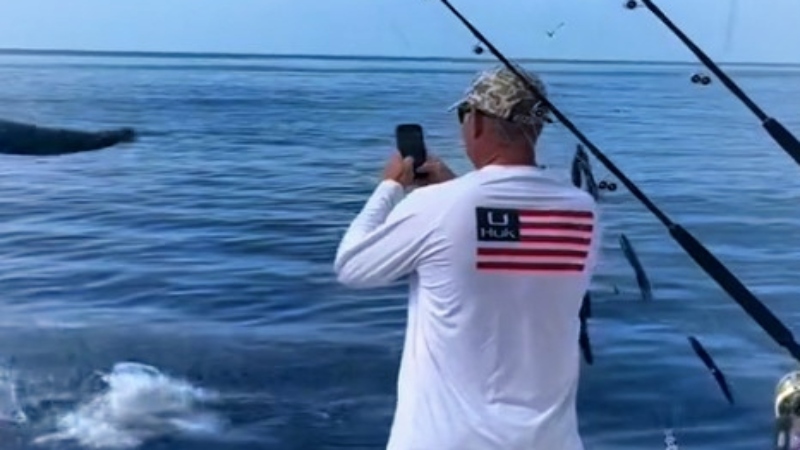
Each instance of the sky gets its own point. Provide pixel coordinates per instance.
(762, 30)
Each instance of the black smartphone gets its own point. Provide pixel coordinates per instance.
(411, 142)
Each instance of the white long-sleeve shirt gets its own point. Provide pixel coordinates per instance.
(498, 262)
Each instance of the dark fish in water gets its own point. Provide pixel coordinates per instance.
(586, 306)
(31, 140)
(718, 375)
(584, 315)
(577, 171)
(641, 275)
(591, 184)
(582, 170)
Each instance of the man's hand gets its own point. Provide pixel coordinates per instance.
(402, 171)
(436, 171)
(399, 169)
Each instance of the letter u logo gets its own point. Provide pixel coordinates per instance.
(503, 221)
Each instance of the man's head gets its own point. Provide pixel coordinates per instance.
(501, 119)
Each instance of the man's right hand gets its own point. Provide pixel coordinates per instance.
(437, 172)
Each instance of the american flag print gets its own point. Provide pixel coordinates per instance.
(533, 241)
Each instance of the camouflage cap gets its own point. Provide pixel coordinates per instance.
(500, 93)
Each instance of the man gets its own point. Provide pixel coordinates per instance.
(498, 262)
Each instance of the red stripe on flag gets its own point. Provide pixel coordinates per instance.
(484, 251)
(556, 213)
(528, 267)
(555, 226)
(556, 240)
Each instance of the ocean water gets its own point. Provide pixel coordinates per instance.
(177, 293)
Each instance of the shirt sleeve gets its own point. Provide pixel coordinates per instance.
(385, 242)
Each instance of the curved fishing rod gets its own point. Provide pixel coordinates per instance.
(699, 253)
(776, 130)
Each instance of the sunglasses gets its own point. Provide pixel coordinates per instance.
(465, 108)
(462, 110)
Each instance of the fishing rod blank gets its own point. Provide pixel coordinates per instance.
(699, 253)
(776, 130)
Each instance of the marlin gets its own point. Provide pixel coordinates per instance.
(583, 338)
(582, 169)
(31, 140)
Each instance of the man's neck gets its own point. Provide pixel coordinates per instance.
(515, 159)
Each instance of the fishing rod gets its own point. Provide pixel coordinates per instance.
(776, 130)
(698, 252)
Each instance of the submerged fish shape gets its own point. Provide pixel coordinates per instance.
(584, 315)
(576, 171)
(591, 184)
(641, 276)
(581, 169)
(32, 140)
(712, 366)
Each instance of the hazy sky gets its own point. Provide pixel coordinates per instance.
(763, 30)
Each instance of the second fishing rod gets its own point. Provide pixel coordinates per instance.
(696, 250)
(775, 129)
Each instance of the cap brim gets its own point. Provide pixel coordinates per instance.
(456, 104)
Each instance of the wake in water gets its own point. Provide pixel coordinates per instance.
(11, 414)
(139, 404)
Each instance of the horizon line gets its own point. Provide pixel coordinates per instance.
(345, 57)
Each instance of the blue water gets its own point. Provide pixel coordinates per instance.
(204, 250)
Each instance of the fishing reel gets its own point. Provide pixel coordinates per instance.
(701, 78)
(631, 4)
(604, 185)
(477, 49)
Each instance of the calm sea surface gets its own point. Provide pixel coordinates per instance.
(177, 293)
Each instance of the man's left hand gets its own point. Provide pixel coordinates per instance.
(400, 170)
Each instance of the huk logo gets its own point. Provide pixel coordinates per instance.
(494, 221)
(496, 224)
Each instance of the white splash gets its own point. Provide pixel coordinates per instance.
(669, 440)
(139, 404)
(10, 410)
